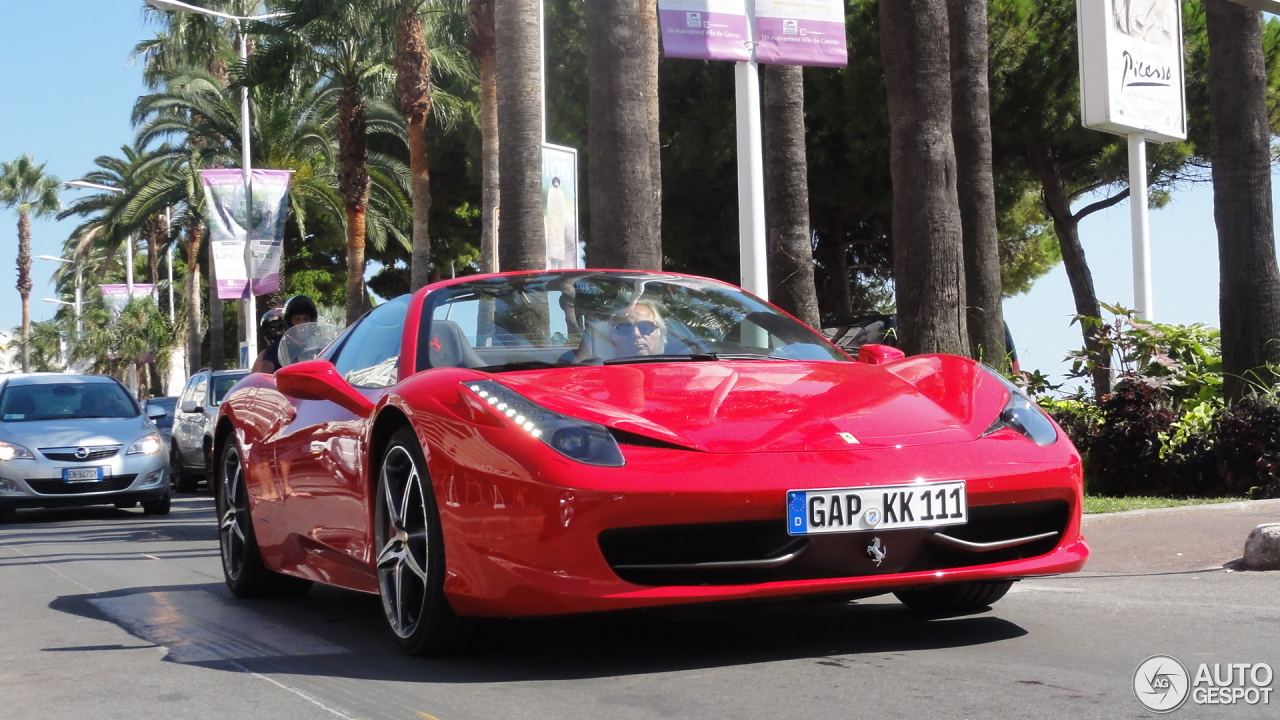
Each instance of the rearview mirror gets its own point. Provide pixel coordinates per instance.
(155, 412)
(319, 380)
(189, 406)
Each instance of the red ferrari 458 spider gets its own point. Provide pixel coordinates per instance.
(572, 441)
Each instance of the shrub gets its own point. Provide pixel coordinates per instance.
(1124, 457)
(1247, 447)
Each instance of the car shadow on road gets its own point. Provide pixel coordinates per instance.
(334, 633)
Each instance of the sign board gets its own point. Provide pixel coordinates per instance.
(1131, 68)
(787, 32)
(704, 29)
(801, 32)
(560, 206)
(115, 297)
(229, 226)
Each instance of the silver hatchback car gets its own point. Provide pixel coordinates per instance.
(78, 440)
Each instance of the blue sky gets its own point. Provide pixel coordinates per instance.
(69, 87)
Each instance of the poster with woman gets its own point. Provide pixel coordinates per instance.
(560, 206)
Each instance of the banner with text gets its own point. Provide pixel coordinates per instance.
(1131, 67)
(801, 32)
(704, 29)
(228, 227)
(115, 297)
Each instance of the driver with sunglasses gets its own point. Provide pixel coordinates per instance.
(637, 330)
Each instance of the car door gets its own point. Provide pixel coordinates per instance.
(187, 426)
(321, 453)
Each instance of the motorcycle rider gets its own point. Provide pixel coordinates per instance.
(299, 309)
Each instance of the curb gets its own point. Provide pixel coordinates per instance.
(1273, 505)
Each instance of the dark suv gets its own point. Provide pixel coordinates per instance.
(193, 425)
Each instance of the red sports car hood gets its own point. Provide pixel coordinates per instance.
(738, 406)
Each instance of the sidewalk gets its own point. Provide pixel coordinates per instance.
(1194, 537)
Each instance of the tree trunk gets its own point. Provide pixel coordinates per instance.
(24, 285)
(975, 186)
(927, 237)
(1239, 139)
(1067, 227)
(622, 78)
(353, 186)
(791, 285)
(482, 46)
(195, 331)
(217, 324)
(413, 86)
(521, 235)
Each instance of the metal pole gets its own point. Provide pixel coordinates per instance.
(251, 309)
(1142, 298)
(751, 227)
(542, 60)
(79, 325)
(167, 229)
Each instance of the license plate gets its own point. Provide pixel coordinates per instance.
(883, 507)
(85, 474)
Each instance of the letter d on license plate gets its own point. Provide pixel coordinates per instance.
(882, 507)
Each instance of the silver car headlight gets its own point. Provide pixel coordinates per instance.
(1022, 415)
(580, 440)
(13, 451)
(149, 445)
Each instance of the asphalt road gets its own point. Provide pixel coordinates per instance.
(110, 614)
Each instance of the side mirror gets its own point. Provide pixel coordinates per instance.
(155, 412)
(873, 354)
(189, 406)
(319, 380)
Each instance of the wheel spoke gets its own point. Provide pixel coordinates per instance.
(393, 512)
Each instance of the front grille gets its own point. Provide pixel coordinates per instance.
(669, 554)
(58, 487)
(69, 454)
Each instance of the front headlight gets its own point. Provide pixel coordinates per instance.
(577, 439)
(149, 445)
(1022, 415)
(13, 451)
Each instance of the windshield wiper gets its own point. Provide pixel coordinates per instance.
(521, 365)
(691, 357)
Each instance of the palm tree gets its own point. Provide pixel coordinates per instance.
(1240, 142)
(791, 284)
(521, 234)
(26, 187)
(975, 184)
(927, 236)
(625, 168)
(347, 44)
(484, 48)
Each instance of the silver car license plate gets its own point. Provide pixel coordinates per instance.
(82, 474)
(882, 507)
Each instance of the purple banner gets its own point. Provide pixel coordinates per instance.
(700, 35)
(115, 297)
(230, 227)
(801, 42)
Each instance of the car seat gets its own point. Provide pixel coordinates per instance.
(449, 347)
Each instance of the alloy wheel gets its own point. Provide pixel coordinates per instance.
(401, 535)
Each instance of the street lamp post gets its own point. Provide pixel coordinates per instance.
(251, 311)
(128, 241)
(51, 258)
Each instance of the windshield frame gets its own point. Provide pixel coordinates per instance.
(696, 312)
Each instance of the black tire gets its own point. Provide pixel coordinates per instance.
(183, 481)
(410, 554)
(242, 566)
(955, 597)
(159, 506)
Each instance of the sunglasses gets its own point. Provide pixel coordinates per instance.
(646, 327)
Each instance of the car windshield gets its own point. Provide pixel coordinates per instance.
(223, 383)
(591, 318)
(65, 401)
